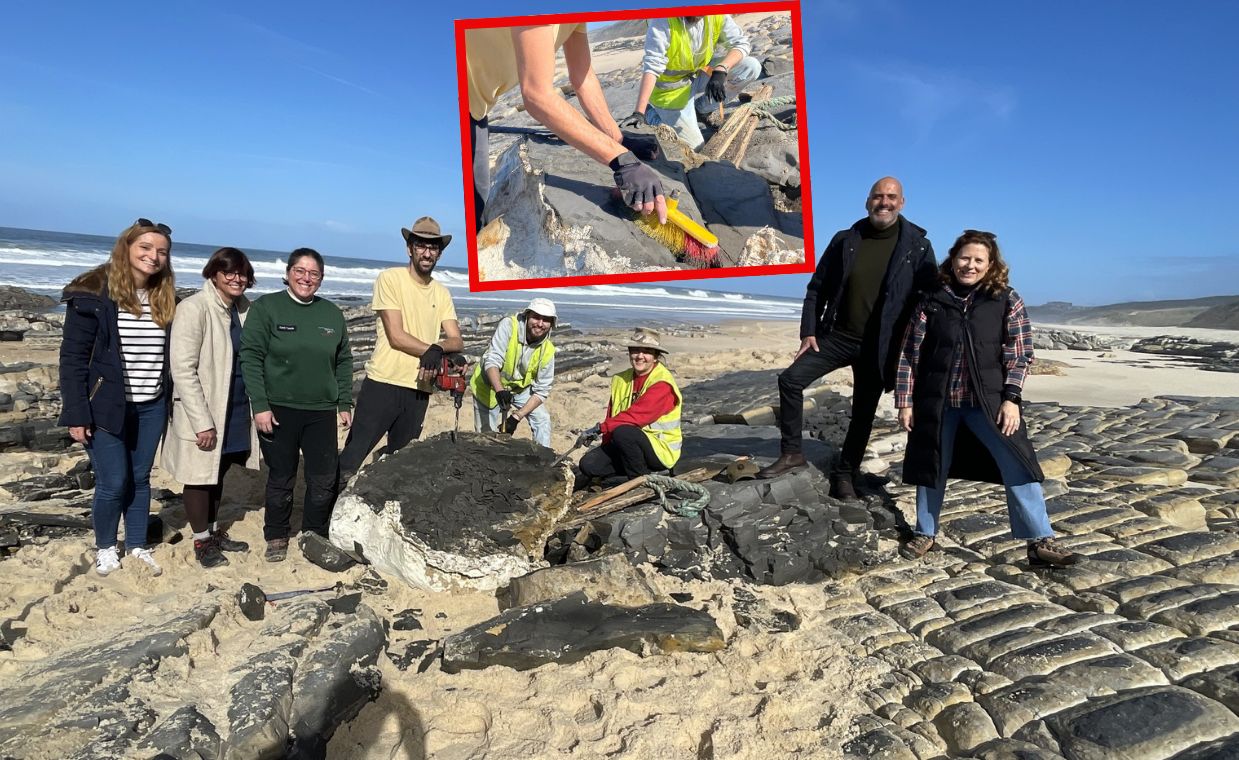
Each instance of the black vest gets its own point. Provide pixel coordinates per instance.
(980, 333)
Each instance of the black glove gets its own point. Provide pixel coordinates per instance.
(433, 358)
(635, 120)
(714, 88)
(589, 436)
(638, 183)
(505, 398)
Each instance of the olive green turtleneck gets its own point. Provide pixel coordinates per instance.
(864, 282)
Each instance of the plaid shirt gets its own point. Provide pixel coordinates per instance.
(1017, 353)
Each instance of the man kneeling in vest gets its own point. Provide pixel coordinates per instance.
(682, 77)
(641, 433)
(515, 375)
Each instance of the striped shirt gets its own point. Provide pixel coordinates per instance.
(1017, 354)
(142, 347)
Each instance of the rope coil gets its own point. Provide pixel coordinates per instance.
(662, 484)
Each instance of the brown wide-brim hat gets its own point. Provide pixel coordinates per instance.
(426, 228)
(644, 337)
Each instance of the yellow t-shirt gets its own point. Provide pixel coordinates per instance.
(490, 59)
(423, 310)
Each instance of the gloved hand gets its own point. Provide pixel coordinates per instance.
(505, 398)
(589, 436)
(715, 89)
(638, 183)
(432, 360)
(636, 119)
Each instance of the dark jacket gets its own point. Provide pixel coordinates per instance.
(981, 332)
(92, 381)
(912, 269)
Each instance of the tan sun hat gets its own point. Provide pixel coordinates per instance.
(426, 228)
(645, 337)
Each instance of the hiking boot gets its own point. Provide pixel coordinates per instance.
(227, 544)
(145, 555)
(277, 550)
(1046, 552)
(106, 561)
(918, 546)
(843, 486)
(788, 461)
(207, 552)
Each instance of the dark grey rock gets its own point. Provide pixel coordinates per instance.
(186, 734)
(260, 707)
(321, 552)
(253, 602)
(566, 630)
(1156, 722)
(335, 678)
(407, 620)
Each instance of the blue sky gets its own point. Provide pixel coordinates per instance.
(1097, 139)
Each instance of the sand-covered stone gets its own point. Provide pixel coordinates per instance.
(611, 579)
(474, 512)
(566, 630)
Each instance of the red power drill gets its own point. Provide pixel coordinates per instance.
(451, 377)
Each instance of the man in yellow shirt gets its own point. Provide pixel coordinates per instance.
(417, 325)
(501, 58)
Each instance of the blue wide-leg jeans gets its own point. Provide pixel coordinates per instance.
(122, 464)
(1025, 500)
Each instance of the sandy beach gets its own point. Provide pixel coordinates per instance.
(791, 694)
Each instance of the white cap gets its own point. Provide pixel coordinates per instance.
(542, 307)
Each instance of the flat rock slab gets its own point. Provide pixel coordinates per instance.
(473, 513)
(568, 629)
(1145, 723)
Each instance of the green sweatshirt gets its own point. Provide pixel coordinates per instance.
(296, 355)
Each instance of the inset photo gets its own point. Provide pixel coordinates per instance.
(634, 146)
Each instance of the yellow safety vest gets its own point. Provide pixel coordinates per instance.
(664, 432)
(541, 355)
(673, 87)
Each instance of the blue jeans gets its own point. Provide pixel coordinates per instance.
(1025, 501)
(122, 465)
(488, 420)
(684, 121)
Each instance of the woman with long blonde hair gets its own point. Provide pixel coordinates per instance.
(114, 381)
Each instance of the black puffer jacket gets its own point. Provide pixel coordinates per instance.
(912, 269)
(981, 332)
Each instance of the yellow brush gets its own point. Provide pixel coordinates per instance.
(687, 239)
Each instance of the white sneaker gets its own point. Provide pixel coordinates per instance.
(106, 560)
(146, 556)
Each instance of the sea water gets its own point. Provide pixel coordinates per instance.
(45, 262)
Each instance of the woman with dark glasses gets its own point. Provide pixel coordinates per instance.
(210, 428)
(298, 371)
(114, 381)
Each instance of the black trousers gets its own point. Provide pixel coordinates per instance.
(382, 409)
(834, 352)
(628, 453)
(479, 144)
(310, 435)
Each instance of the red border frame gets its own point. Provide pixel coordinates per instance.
(806, 202)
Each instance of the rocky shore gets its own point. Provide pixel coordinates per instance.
(774, 621)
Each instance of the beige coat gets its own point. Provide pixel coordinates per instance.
(200, 356)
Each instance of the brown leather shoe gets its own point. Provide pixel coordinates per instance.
(1047, 552)
(785, 463)
(916, 547)
(843, 486)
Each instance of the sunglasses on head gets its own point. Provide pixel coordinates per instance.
(144, 222)
(981, 233)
